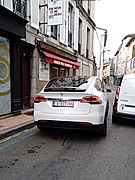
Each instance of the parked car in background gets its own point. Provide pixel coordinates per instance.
(124, 104)
(73, 103)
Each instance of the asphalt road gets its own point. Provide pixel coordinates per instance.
(70, 155)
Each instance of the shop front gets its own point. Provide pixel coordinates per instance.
(5, 93)
(60, 66)
(11, 30)
(53, 62)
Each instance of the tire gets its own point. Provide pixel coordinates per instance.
(103, 131)
(40, 128)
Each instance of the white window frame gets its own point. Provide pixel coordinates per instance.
(33, 24)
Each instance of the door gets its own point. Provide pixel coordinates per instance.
(126, 102)
(25, 82)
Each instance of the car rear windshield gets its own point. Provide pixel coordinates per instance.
(74, 83)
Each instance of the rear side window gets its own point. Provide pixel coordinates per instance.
(98, 85)
(129, 86)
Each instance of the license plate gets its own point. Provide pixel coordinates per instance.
(63, 104)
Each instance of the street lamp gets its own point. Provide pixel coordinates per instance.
(102, 51)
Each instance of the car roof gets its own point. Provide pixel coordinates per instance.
(132, 75)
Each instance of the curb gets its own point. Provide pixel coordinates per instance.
(16, 129)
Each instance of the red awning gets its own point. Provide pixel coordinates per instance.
(53, 59)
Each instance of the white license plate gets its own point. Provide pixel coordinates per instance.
(63, 104)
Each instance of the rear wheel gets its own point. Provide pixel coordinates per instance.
(103, 131)
(40, 128)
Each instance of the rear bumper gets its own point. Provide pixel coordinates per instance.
(123, 115)
(68, 125)
(93, 118)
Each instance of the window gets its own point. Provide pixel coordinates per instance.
(89, 6)
(70, 25)
(133, 51)
(80, 36)
(81, 1)
(88, 42)
(131, 63)
(54, 30)
(134, 63)
(20, 7)
(57, 71)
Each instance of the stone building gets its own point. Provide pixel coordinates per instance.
(35, 48)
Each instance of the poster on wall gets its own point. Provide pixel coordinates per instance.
(5, 94)
(43, 70)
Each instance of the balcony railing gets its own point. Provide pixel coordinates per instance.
(20, 8)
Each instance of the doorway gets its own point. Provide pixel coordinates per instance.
(25, 82)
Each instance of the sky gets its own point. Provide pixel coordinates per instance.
(118, 17)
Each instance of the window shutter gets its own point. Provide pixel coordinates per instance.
(35, 13)
(76, 24)
(66, 22)
(8, 4)
(47, 27)
(64, 26)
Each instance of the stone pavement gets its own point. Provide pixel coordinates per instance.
(10, 124)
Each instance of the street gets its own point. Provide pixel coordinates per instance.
(70, 155)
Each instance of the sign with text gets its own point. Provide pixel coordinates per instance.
(55, 12)
(43, 70)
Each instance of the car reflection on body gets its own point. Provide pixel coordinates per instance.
(73, 103)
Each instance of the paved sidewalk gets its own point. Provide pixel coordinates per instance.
(10, 125)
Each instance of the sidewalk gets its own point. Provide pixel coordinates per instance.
(10, 124)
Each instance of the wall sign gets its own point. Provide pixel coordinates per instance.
(55, 12)
(43, 70)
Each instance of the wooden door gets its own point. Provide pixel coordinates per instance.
(25, 82)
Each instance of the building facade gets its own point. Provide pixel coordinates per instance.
(66, 47)
(12, 29)
(39, 40)
(124, 58)
(130, 61)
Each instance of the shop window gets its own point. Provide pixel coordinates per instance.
(57, 71)
(62, 72)
(53, 72)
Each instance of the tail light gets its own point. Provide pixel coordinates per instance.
(117, 94)
(91, 100)
(38, 99)
(115, 107)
